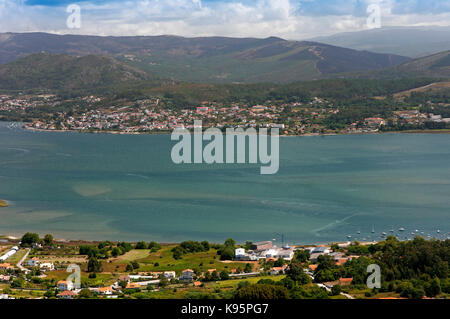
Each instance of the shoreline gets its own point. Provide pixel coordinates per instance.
(17, 237)
(440, 131)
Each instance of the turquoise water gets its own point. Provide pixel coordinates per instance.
(125, 187)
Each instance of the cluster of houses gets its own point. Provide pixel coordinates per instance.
(264, 250)
(34, 262)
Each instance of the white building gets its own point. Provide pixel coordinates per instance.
(47, 267)
(187, 275)
(33, 262)
(170, 274)
(65, 285)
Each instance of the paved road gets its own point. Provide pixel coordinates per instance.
(19, 264)
(328, 289)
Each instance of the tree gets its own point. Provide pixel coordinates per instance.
(48, 240)
(301, 256)
(433, 289)
(163, 282)
(205, 245)
(18, 283)
(248, 268)
(215, 276)
(29, 239)
(85, 294)
(94, 265)
(224, 275)
(230, 243)
(279, 262)
(116, 251)
(135, 265)
(227, 253)
(129, 268)
(141, 245)
(154, 246)
(336, 290)
(297, 274)
(262, 292)
(123, 284)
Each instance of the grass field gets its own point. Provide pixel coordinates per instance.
(165, 262)
(14, 259)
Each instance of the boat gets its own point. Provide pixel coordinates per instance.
(373, 229)
(438, 231)
(358, 232)
(401, 229)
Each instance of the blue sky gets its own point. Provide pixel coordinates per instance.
(293, 19)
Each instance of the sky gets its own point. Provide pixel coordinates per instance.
(289, 19)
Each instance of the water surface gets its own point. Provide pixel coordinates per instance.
(125, 187)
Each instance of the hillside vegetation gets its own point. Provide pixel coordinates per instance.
(212, 60)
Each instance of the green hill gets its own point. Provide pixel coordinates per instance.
(63, 72)
(207, 60)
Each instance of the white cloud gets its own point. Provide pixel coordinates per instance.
(239, 18)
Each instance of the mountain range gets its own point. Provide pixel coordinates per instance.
(413, 42)
(212, 60)
(73, 62)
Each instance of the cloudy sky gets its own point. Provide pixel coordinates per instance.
(291, 19)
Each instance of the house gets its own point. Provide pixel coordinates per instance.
(320, 250)
(263, 245)
(67, 294)
(345, 281)
(270, 253)
(374, 121)
(65, 285)
(133, 285)
(278, 270)
(341, 261)
(124, 278)
(187, 275)
(105, 290)
(203, 109)
(6, 266)
(315, 256)
(4, 278)
(313, 267)
(286, 254)
(33, 262)
(47, 267)
(170, 274)
(239, 252)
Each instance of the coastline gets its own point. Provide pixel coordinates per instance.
(17, 236)
(442, 131)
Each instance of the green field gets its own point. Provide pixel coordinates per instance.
(14, 259)
(164, 261)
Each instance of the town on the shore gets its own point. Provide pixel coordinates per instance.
(316, 117)
(47, 268)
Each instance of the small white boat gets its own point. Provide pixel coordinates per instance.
(401, 229)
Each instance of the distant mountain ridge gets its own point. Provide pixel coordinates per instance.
(212, 60)
(433, 66)
(407, 41)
